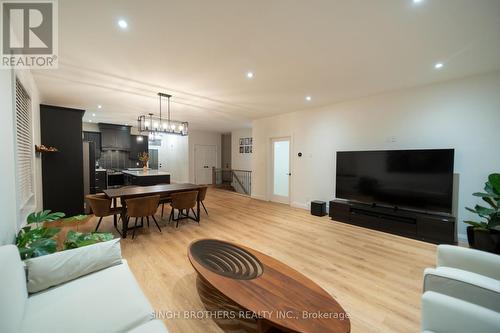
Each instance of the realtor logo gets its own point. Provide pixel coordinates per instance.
(29, 34)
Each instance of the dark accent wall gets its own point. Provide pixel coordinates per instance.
(116, 159)
(62, 172)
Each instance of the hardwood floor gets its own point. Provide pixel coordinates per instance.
(376, 277)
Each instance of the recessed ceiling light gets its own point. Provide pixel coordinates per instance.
(308, 98)
(250, 75)
(99, 106)
(439, 65)
(417, 1)
(123, 24)
(93, 114)
(90, 120)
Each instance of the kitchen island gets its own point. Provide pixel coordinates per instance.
(146, 178)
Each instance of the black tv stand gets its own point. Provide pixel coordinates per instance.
(428, 227)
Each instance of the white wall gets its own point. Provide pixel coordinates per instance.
(8, 225)
(12, 218)
(202, 138)
(240, 161)
(173, 157)
(26, 79)
(460, 114)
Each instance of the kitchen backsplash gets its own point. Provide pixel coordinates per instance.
(116, 159)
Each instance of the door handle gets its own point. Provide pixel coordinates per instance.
(289, 174)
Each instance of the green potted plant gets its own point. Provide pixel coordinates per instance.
(37, 239)
(34, 240)
(485, 233)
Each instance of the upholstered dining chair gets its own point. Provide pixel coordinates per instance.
(101, 207)
(142, 207)
(182, 201)
(164, 199)
(202, 193)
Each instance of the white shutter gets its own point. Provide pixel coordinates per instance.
(24, 145)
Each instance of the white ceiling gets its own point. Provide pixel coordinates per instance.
(199, 51)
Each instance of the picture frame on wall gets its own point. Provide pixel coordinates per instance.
(250, 149)
(251, 140)
(242, 140)
(247, 149)
(242, 150)
(247, 141)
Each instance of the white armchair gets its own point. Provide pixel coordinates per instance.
(445, 314)
(466, 274)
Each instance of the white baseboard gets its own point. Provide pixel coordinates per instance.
(300, 205)
(258, 197)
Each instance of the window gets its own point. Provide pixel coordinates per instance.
(24, 147)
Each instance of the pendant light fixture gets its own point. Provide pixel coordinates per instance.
(156, 125)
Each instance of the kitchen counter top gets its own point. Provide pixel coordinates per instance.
(147, 173)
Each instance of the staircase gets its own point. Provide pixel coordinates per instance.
(233, 180)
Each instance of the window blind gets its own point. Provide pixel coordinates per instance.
(24, 145)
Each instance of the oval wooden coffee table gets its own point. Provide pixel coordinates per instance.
(261, 293)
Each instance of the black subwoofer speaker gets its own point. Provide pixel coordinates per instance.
(318, 208)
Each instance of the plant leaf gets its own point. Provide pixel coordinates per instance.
(494, 180)
(76, 239)
(44, 216)
(475, 224)
(43, 246)
(491, 202)
(471, 210)
(76, 218)
(484, 195)
(488, 188)
(483, 211)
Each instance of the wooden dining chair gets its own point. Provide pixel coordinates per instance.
(101, 207)
(183, 202)
(142, 207)
(202, 193)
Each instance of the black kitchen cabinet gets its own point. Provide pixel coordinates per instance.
(138, 144)
(94, 137)
(114, 137)
(62, 171)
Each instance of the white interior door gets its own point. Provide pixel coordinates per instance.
(280, 186)
(204, 159)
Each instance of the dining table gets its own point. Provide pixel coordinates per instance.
(142, 191)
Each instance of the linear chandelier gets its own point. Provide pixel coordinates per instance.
(156, 125)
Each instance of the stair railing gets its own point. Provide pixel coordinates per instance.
(232, 179)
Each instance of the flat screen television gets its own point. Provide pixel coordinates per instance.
(409, 179)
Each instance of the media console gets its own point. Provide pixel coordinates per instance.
(428, 227)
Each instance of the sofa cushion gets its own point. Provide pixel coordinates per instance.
(468, 286)
(106, 301)
(13, 293)
(54, 269)
(154, 326)
(444, 314)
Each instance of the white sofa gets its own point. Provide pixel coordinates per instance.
(445, 314)
(106, 301)
(467, 274)
(462, 294)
